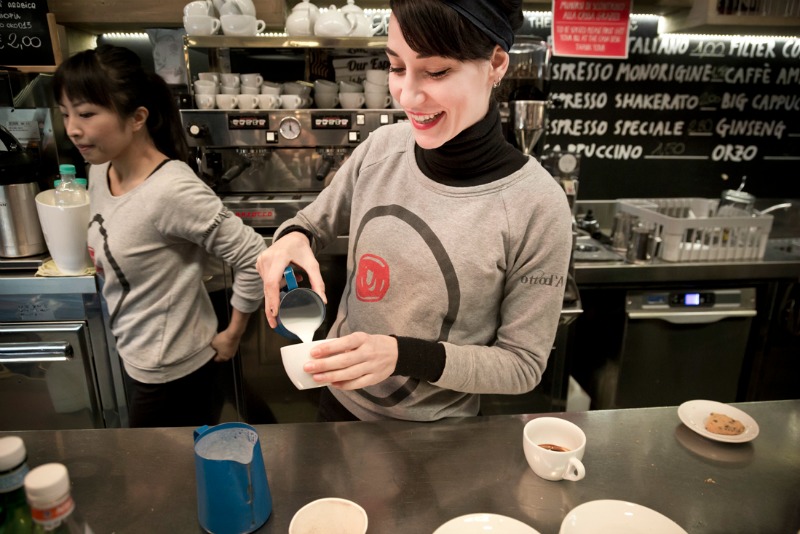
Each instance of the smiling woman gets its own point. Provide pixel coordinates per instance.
(436, 309)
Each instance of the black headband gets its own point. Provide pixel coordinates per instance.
(487, 16)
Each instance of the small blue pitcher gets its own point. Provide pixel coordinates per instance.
(232, 491)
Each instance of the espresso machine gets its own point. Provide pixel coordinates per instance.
(267, 164)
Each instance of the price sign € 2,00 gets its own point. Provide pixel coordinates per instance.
(25, 38)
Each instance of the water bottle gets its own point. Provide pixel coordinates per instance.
(15, 516)
(52, 508)
(69, 192)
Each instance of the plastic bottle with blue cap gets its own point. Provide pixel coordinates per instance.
(69, 191)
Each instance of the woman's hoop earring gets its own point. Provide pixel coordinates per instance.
(496, 84)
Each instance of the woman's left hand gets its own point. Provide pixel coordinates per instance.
(354, 361)
(226, 345)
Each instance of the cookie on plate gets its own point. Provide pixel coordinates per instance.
(722, 424)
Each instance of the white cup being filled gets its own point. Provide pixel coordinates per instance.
(330, 515)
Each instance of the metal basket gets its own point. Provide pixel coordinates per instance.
(687, 230)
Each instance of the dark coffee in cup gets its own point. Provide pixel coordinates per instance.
(552, 447)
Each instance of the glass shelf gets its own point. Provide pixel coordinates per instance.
(271, 41)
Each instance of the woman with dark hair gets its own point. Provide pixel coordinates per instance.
(154, 224)
(459, 244)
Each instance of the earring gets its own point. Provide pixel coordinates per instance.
(496, 84)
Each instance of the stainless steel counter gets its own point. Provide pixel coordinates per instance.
(412, 477)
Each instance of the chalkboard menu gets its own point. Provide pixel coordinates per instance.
(681, 115)
(25, 34)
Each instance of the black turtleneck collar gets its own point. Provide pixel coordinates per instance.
(478, 155)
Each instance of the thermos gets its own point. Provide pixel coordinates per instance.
(20, 231)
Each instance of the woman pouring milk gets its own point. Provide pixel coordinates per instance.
(448, 226)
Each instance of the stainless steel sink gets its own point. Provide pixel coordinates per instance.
(588, 248)
(784, 249)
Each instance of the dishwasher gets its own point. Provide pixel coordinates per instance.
(680, 345)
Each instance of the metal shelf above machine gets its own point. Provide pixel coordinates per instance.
(272, 41)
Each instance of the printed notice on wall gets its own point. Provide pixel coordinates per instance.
(591, 28)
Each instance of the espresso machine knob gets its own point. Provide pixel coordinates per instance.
(197, 130)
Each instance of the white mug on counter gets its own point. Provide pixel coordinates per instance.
(201, 25)
(267, 101)
(554, 448)
(205, 101)
(295, 101)
(252, 80)
(242, 25)
(227, 101)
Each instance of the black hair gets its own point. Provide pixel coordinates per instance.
(113, 77)
(431, 28)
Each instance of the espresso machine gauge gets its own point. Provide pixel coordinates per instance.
(197, 130)
(289, 128)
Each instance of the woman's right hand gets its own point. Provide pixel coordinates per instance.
(291, 249)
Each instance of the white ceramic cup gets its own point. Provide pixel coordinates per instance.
(205, 101)
(325, 86)
(296, 88)
(375, 87)
(65, 232)
(326, 100)
(377, 76)
(295, 101)
(209, 77)
(227, 101)
(198, 8)
(351, 100)
(330, 515)
(294, 357)
(271, 88)
(230, 79)
(229, 90)
(241, 25)
(252, 80)
(377, 100)
(205, 87)
(247, 101)
(350, 87)
(267, 101)
(201, 25)
(247, 90)
(554, 464)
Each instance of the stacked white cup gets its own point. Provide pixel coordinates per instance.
(351, 95)
(326, 94)
(270, 97)
(199, 19)
(250, 89)
(376, 89)
(296, 95)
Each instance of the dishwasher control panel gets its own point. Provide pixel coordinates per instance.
(692, 299)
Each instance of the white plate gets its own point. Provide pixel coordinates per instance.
(619, 517)
(694, 414)
(484, 524)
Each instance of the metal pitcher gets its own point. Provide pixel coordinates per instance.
(20, 231)
(232, 490)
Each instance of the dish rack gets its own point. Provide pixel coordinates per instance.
(687, 230)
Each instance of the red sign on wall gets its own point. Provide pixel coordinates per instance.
(591, 28)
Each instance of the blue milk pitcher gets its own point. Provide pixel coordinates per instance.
(232, 491)
(297, 303)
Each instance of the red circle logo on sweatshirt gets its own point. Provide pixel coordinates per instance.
(372, 278)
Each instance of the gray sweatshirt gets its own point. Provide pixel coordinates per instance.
(480, 269)
(150, 246)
